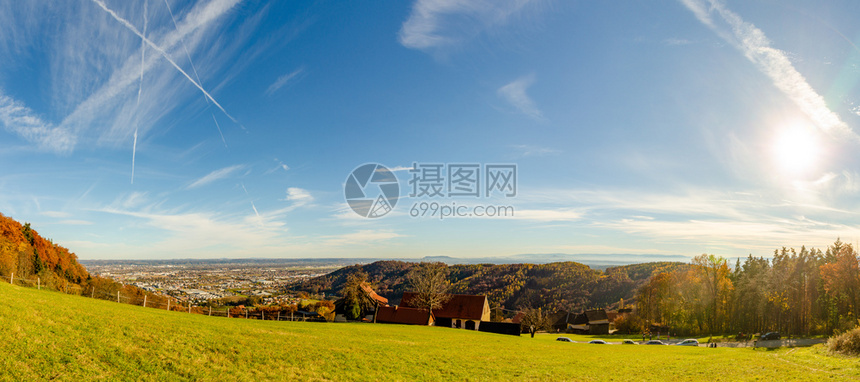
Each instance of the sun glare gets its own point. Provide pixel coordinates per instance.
(796, 150)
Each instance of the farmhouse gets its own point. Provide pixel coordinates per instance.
(591, 322)
(461, 311)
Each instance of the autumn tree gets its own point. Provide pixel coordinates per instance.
(429, 282)
(713, 273)
(354, 297)
(842, 279)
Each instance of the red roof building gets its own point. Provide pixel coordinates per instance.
(404, 315)
(461, 311)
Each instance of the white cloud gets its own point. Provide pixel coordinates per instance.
(214, 176)
(299, 196)
(362, 237)
(283, 80)
(773, 62)
(547, 215)
(531, 150)
(515, 94)
(76, 222)
(200, 233)
(440, 23)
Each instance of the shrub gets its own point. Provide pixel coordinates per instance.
(847, 343)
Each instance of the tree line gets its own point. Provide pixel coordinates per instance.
(798, 292)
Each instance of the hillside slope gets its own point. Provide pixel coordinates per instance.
(49, 335)
(564, 285)
(27, 254)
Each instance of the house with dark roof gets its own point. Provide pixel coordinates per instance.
(460, 311)
(594, 321)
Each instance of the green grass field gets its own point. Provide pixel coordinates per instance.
(48, 335)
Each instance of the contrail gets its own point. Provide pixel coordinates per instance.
(252, 202)
(133, 152)
(163, 54)
(193, 67)
(184, 47)
(222, 134)
(140, 85)
(142, 52)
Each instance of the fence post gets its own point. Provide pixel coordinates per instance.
(228, 312)
(189, 307)
(279, 315)
(12, 278)
(117, 296)
(210, 311)
(168, 304)
(39, 282)
(144, 301)
(246, 313)
(93, 293)
(263, 315)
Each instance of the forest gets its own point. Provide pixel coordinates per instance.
(565, 286)
(799, 292)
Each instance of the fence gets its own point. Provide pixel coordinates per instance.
(176, 306)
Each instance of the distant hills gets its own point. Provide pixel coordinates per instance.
(597, 261)
(551, 281)
(560, 285)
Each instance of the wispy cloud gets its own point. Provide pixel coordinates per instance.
(104, 86)
(435, 24)
(362, 237)
(76, 222)
(283, 80)
(55, 214)
(547, 215)
(773, 62)
(731, 221)
(515, 94)
(676, 41)
(534, 151)
(164, 54)
(299, 196)
(214, 176)
(280, 166)
(19, 119)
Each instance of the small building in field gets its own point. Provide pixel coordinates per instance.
(594, 321)
(460, 311)
(561, 319)
(404, 315)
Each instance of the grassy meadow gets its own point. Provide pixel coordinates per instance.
(49, 335)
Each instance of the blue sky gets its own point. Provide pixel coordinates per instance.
(172, 129)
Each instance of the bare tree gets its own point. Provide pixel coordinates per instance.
(429, 281)
(535, 319)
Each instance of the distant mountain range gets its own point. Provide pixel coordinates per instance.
(596, 261)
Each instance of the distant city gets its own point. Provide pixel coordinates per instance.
(198, 281)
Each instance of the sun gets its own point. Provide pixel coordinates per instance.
(796, 149)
